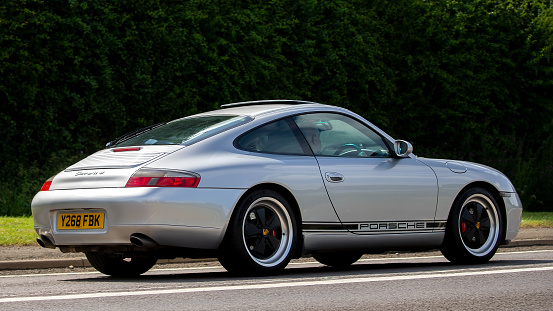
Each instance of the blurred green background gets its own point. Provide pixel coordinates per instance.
(469, 80)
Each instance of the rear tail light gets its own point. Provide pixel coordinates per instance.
(47, 184)
(162, 178)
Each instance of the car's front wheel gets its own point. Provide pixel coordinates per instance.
(474, 228)
(261, 237)
(118, 266)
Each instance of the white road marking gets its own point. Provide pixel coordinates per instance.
(526, 252)
(272, 285)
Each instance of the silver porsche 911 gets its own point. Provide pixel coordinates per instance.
(256, 184)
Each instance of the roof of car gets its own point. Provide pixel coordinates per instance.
(257, 108)
(268, 102)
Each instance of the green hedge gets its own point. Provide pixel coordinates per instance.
(460, 79)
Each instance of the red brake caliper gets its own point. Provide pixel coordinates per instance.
(463, 227)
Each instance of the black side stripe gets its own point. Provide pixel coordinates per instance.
(377, 226)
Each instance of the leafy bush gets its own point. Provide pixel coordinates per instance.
(475, 74)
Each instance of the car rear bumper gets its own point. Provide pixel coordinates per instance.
(192, 218)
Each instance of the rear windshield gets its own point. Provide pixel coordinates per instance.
(186, 131)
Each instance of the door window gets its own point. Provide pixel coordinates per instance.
(336, 135)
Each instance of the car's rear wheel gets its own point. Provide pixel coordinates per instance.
(261, 237)
(340, 260)
(474, 228)
(118, 266)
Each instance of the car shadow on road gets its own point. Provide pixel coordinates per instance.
(311, 271)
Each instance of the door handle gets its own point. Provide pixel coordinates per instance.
(334, 177)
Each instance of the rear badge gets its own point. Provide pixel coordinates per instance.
(93, 173)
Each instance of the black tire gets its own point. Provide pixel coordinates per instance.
(474, 229)
(261, 237)
(118, 266)
(338, 260)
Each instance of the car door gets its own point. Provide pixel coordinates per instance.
(371, 189)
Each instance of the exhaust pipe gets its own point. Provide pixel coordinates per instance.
(45, 242)
(142, 240)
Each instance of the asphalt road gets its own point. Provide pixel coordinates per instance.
(515, 279)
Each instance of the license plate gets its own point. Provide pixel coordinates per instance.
(80, 221)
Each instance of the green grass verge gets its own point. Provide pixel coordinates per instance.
(19, 230)
(537, 220)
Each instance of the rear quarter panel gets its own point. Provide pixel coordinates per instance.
(226, 167)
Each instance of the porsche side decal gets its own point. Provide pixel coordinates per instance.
(381, 226)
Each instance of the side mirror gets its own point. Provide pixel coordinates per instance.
(403, 148)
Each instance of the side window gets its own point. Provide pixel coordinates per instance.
(336, 135)
(276, 137)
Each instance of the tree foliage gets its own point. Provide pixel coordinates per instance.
(463, 79)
